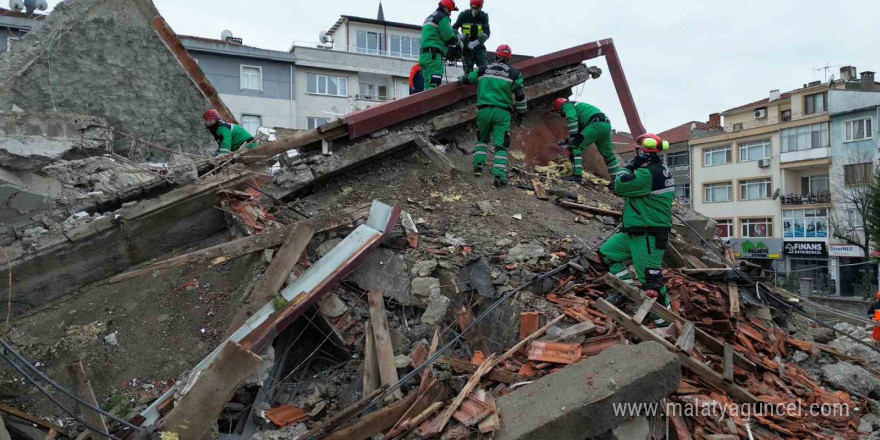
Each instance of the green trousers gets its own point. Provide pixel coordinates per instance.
(431, 65)
(493, 125)
(474, 57)
(598, 133)
(642, 251)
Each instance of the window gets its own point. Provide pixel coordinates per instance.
(815, 103)
(754, 151)
(252, 78)
(724, 229)
(405, 47)
(719, 192)
(370, 91)
(370, 42)
(718, 156)
(857, 130)
(738, 126)
(755, 189)
(678, 159)
(857, 174)
(317, 122)
(760, 227)
(814, 184)
(251, 123)
(326, 85)
(854, 219)
(683, 191)
(785, 116)
(805, 223)
(805, 137)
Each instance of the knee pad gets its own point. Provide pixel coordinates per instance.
(436, 80)
(654, 279)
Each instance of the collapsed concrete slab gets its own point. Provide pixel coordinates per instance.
(103, 58)
(31, 141)
(582, 400)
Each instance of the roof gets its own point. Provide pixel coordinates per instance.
(682, 133)
(11, 13)
(764, 101)
(414, 27)
(622, 142)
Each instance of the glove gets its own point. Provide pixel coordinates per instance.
(461, 37)
(474, 44)
(462, 79)
(636, 163)
(576, 139)
(520, 117)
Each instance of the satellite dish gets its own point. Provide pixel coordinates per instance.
(325, 38)
(831, 81)
(225, 35)
(16, 5)
(776, 193)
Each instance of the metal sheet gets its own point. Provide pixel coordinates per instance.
(320, 278)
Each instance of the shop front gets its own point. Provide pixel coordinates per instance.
(765, 252)
(853, 274)
(807, 268)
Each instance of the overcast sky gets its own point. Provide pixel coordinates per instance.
(684, 59)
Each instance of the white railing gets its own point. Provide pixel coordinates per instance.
(354, 49)
(771, 119)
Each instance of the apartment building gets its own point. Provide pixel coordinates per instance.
(358, 63)
(14, 26)
(767, 180)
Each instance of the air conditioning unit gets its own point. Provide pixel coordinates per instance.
(764, 163)
(761, 113)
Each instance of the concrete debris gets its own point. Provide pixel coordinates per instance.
(424, 268)
(112, 339)
(402, 361)
(437, 310)
(525, 252)
(485, 208)
(852, 378)
(289, 433)
(386, 271)
(328, 246)
(639, 428)
(28, 142)
(331, 306)
(451, 240)
(477, 274)
(425, 290)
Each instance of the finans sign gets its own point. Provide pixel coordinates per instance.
(806, 248)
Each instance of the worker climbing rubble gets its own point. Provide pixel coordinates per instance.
(648, 190)
(474, 28)
(229, 137)
(437, 35)
(499, 85)
(587, 125)
(874, 312)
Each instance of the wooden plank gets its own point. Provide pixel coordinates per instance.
(474, 337)
(695, 262)
(540, 192)
(51, 435)
(385, 418)
(733, 294)
(685, 341)
(215, 386)
(592, 209)
(728, 363)
(492, 423)
(667, 315)
(695, 366)
(372, 382)
(81, 386)
(497, 375)
(343, 416)
(33, 419)
(247, 245)
(644, 309)
(382, 338)
(677, 258)
(439, 424)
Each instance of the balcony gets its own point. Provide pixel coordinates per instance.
(770, 119)
(802, 155)
(823, 198)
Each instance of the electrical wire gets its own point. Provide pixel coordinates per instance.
(7, 348)
(770, 293)
(376, 401)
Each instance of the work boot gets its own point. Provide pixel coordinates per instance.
(573, 178)
(478, 170)
(499, 182)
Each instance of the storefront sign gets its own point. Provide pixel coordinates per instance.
(758, 248)
(806, 249)
(845, 250)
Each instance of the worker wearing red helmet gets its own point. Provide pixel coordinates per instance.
(499, 91)
(648, 190)
(587, 125)
(229, 137)
(474, 25)
(874, 312)
(437, 35)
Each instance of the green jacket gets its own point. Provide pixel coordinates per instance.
(648, 192)
(577, 115)
(230, 137)
(437, 32)
(498, 85)
(474, 27)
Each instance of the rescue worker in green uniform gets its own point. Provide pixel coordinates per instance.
(437, 35)
(648, 191)
(229, 137)
(499, 92)
(474, 25)
(587, 125)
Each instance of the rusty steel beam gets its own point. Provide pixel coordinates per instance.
(383, 116)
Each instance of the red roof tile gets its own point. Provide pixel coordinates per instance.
(682, 133)
(622, 142)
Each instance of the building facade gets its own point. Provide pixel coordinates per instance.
(768, 180)
(14, 26)
(358, 63)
